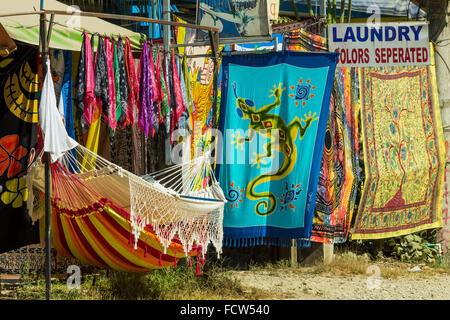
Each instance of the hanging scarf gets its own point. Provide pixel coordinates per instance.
(169, 86)
(145, 93)
(112, 89)
(133, 83)
(117, 85)
(156, 93)
(122, 83)
(80, 82)
(184, 121)
(101, 79)
(187, 77)
(179, 104)
(89, 96)
(164, 104)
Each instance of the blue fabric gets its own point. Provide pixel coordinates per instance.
(66, 91)
(289, 92)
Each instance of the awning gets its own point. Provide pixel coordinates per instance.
(67, 30)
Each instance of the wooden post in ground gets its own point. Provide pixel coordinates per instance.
(328, 253)
(294, 257)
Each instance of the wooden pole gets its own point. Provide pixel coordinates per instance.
(43, 50)
(294, 256)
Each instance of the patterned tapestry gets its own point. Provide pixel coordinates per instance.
(200, 74)
(19, 101)
(404, 155)
(339, 175)
(273, 117)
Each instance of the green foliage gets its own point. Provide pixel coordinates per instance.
(413, 248)
(282, 20)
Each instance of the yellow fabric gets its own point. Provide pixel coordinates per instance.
(402, 194)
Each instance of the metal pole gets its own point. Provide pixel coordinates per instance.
(323, 14)
(166, 17)
(166, 39)
(44, 49)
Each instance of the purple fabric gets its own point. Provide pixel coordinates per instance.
(146, 93)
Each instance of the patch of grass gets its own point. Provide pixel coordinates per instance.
(213, 283)
(349, 263)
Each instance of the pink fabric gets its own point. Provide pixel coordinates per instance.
(112, 87)
(179, 101)
(89, 97)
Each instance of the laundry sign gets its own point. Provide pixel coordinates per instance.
(381, 44)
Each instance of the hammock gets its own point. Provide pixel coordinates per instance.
(99, 210)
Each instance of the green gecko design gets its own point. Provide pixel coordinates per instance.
(262, 122)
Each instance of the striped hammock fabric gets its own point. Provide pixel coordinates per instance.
(103, 237)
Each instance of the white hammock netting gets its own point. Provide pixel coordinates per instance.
(183, 201)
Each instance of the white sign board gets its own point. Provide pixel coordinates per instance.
(274, 9)
(381, 44)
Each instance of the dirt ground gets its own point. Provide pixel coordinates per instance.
(304, 285)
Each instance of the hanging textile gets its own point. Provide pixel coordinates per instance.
(18, 145)
(133, 84)
(339, 174)
(56, 139)
(179, 106)
(122, 84)
(101, 80)
(272, 196)
(58, 68)
(89, 95)
(165, 105)
(156, 104)
(184, 122)
(66, 92)
(167, 70)
(145, 93)
(112, 120)
(404, 156)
